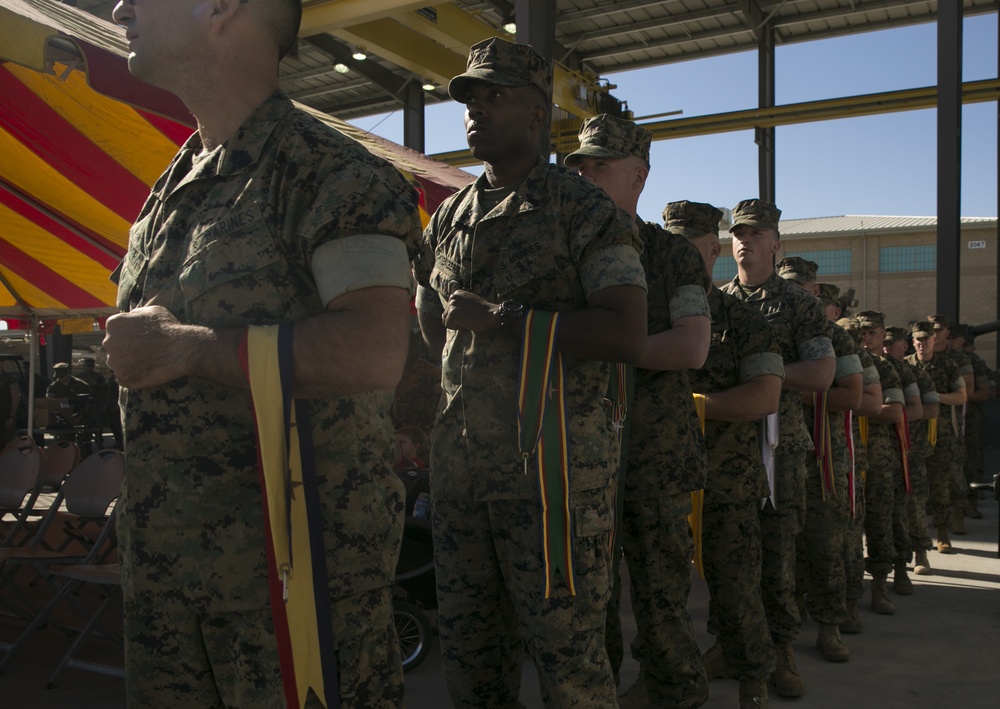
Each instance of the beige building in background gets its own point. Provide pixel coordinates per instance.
(891, 263)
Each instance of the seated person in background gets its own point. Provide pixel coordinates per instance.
(409, 441)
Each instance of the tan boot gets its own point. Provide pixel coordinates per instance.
(786, 678)
(852, 626)
(880, 598)
(753, 694)
(921, 567)
(714, 662)
(901, 583)
(958, 520)
(944, 541)
(828, 642)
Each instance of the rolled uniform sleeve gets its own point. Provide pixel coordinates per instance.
(761, 364)
(869, 375)
(615, 265)
(360, 261)
(911, 390)
(689, 301)
(893, 395)
(848, 365)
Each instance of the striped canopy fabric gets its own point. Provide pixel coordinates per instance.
(81, 142)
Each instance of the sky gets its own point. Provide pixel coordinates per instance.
(877, 165)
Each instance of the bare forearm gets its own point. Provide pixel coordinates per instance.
(845, 394)
(871, 400)
(955, 398)
(810, 375)
(931, 411)
(684, 346)
(889, 414)
(432, 329)
(612, 328)
(914, 409)
(980, 395)
(749, 401)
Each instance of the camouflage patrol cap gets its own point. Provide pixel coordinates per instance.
(756, 213)
(871, 318)
(691, 219)
(796, 268)
(497, 61)
(611, 137)
(922, 329)
(895, 334)
(853, 328)
(829, 294)
(940, 322)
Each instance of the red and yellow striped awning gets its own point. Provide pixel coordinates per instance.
(81, 142)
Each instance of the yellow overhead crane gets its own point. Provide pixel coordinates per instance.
(434, 44)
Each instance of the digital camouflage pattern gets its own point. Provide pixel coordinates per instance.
(691, 219)
(612, 138)
(551, 244)
(885, 472)
(920, 450)
(974, 422)
(756, 213)
(944, 372)
(226, 242)
(820, 546)
(796, 268)
(800, 326)
(743, 347)
(497, 61)
(900, 500)
(666, 461)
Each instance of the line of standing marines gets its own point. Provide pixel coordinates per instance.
(593, 379)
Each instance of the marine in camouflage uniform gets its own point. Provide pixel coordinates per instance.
(10, 397)
(280, 220)
(546, 240)
(961, 337)
(819, 564)
(800, 326)
(950, 386)
(64, 385)
(741, 382)
(854, 545)
(920, 449)
(884, 483)
(666, 459)
(959, 486)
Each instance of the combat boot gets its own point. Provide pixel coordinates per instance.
(852, 626)
(714, 662)
(786, 678)
(921, 567)
(958, 520)
(753, 694)
(880, 599)
(828, 642)
(944, 541)
(901, 583)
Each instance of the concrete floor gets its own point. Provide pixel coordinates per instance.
(940, 649)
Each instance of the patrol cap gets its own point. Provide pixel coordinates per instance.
(756, 213)
(796, 268)
(922, 329)
(611, 137)
(498, 61)
(853, 328)
(958, 330)
(895, 334)
(829, 294)
(691, 219)
(59, 366)
(940, 322)
(871, 318)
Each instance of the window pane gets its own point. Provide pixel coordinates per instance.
(725, 269)
(836, 262)
(895, 259)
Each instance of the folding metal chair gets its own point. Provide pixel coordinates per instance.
(108, 577)
(19, 479)
(88, 493)
(21, 440)
(59, 460)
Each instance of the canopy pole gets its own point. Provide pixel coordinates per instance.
(32, 365)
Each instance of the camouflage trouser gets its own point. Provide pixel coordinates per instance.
(959, 486)
(916, 504)
(884, 469)
(490, 576)
(731, 557)
(658, 550)
(854, 545)
(778, 531)
(613, 640)
(819, 549)
(188, 659)
(939, 479)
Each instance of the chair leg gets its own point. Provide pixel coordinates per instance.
(40, 618)
(68, 659)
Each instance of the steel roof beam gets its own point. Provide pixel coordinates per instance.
(329, 15)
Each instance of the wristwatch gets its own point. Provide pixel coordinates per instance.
(510, 312)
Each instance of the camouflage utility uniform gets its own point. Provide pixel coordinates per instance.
(666, 462)
(854, 544)
(974, 422)
(940, 464)
(550, 242)
(227, 241)
(799, 324)
(743, 347)
(920, 451)
(820, 547)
